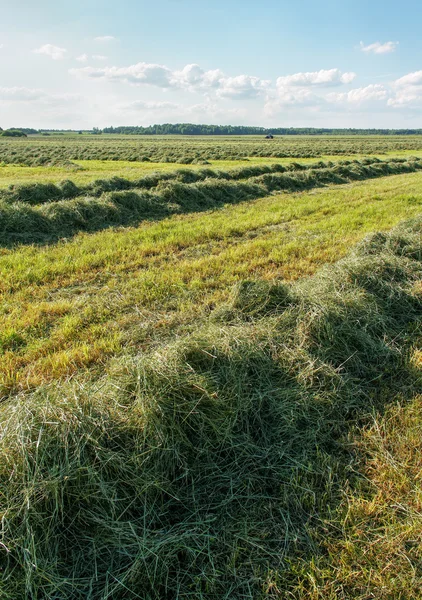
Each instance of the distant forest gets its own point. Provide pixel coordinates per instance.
(192, 129)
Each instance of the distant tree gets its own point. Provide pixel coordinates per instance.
(27, 130)
(194, 129)
(13, 133)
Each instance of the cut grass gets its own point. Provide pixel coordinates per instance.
(373, 543)
(213, 466)
(98, 169)
(46, 212)
(91, 170)
(71, 306)
(159, 149)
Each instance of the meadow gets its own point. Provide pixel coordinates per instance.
(210, 368)
(57, 150)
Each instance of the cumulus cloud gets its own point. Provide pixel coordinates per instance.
(99, 57)
(242, 87)
(54, 52)
(140, 73)
(360, 95)
(192, 77)
(407, 91)
(324, 77)
(378, 48)
(1, 46)
(104, 38)
(410, 79)
(298, 90)
(82, 58)
(290, 99)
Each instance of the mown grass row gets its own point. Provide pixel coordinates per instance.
(194, 150)
(208, 468)
(372, 546)
(39, 193)
(68, 307)
(22, 223)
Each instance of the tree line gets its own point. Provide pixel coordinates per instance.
(193, 129)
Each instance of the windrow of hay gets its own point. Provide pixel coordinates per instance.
(44, 152)
(203, 469)
(162, 195)
(39, 193)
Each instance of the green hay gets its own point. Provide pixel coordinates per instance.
(121, 202)
(199, 470)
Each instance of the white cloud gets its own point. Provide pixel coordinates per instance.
(289, 99)
(192, 78)
(378, 48)
(296, 91)
(410, 79)
(212, 78)
(1, 46)
(324, 77)
(147, 112)
(141, 105)
(54, 52)
(140, 73)
(408, 91)
(360, 95)
(83, 58)
(19, 94)
(242, 87)
(406, 98)
(105, 38)
(214, 111)
(33, 95)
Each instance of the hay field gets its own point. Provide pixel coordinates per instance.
(210, 374)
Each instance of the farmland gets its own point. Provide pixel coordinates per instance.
(210, 367)
(39, 151)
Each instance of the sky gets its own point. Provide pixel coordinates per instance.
(271, 63)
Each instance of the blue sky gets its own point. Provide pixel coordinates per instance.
(269, 62)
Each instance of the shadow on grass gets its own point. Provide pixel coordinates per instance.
(203, 469)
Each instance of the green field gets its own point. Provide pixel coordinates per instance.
(210, 368)
(95, 169)
(84, 159)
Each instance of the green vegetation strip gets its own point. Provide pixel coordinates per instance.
(205, 469)
(171, 194)
(68, 307)
(39, 193)
(56, 150)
